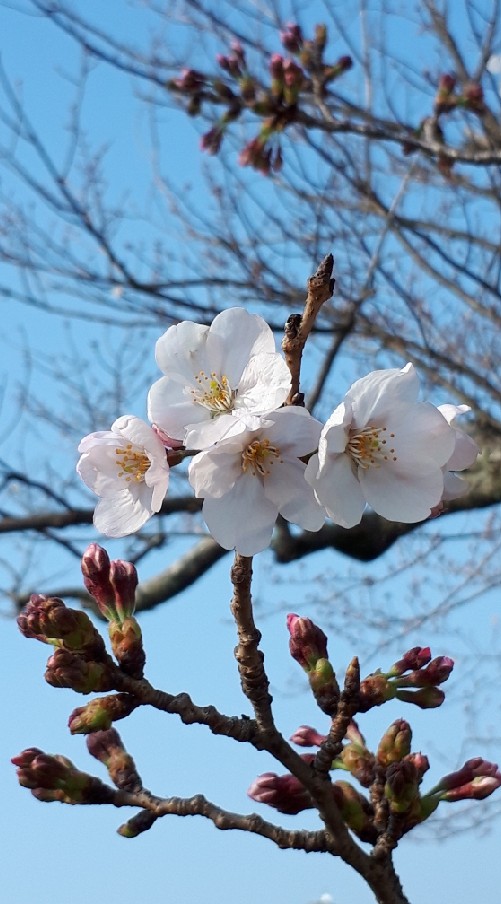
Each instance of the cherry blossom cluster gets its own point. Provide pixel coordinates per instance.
(223, 402)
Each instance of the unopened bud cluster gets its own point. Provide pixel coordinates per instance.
(449, 97)
(290, 82)
(80, 661)
(392, 773)
(55, 778)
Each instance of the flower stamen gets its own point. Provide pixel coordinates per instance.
(215, 393)
(133, 464)
(258, 455)
(368, 448)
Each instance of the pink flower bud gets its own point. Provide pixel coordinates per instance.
(435, 673)
(307, 643)
(414, 659)
(291, 37)
(283, 792)
(344, 63)
(473, 96)
(189, 81)
(124, 580)
(447, 83)
(305, 736)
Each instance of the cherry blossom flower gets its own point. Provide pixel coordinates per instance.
(382, 447)
(127, 468)
(463, 456)
(250, 477)
(213, 374)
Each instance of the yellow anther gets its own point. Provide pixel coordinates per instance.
(258, 456)
(368, 447)
(131, 463)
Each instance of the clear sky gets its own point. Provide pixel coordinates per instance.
(55, 854)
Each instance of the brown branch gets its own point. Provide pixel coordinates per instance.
(223, 819)
(299, 326)
(250, 659)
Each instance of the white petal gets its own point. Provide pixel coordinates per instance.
(338, 490)
(98, 469)
(334, 436)
(120, 514)
(171, 407)
(214, 473)
(219, 429)
(139, 434)
(465, 452)
(376, 394)
(450, 412)
(264, 384)
(286, 487)
(423, 439)
(401, 497)
(243, 519)
(454, 486)
(294, 431)
(180, 352)
(102, 437)
(236, 335)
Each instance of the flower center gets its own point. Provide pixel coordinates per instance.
(132, 464)
(214, 393)
(259, 456)
(369, 447)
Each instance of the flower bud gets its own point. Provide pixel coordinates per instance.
(67, 669)
(374, 691)
(52, 778)
(48, 620)
(277, 66)
(112, 584)
(473, 96)
(401, 788)
(307, 643)
(99, 714)
(477, 779)
(247, 87)
(190, 80)
(435, 673)
(283, 792)
(359, 761)
(305, 736)
(325, 688)
(395, 743)
(421, 762)
(107, 747)
(333, 72)
(293, 81)
(127, 645)
(321, 37)
(356, 811)
(139, 823)
(414, 659)
(211, 140)
(447, 83)
(425, 697)
(292, 37)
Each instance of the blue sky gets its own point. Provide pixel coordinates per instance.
(56, 854)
